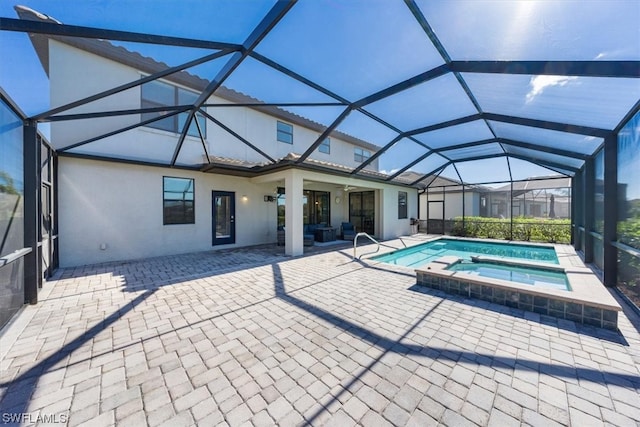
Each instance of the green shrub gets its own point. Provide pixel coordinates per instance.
(524, 229)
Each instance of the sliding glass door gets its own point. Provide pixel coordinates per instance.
(362, 209)
(315, 207)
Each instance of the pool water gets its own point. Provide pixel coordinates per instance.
(527, 275)
(419, 255)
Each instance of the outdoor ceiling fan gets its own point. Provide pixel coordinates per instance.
(348, 187)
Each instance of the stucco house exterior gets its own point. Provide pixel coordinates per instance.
(131, 193)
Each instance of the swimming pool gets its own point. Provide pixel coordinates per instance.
(533, 276)
(416, 256)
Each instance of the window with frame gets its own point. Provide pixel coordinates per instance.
(316, 207)
(402, 204)
(159, 94)
(361, 155)
(285, 133)
(325, 146)
(178, 200)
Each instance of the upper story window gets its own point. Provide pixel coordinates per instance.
(361, 155)
(160, 94)
(325, 147)
(285, 133)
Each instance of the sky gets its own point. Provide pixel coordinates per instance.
(342, 46)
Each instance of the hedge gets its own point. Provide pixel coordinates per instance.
(524, 229)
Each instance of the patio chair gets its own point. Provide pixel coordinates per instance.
(308, 235)
(348, 231)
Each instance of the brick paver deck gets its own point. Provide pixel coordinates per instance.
(250, 337)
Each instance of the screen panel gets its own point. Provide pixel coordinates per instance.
(542, 156)
(451, 174)
(430, 165)
(587, 101)
(484, 170)
(352, 52)
(400, 155)
(629, 182)
(145, 145)
(474, 151)
(459, 134)
(226, 20)
(546, 137)
(266, 84)
(363, 127)
(522, 169)
(535, 30)
(432, 102)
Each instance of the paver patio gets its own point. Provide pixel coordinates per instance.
(251, 337)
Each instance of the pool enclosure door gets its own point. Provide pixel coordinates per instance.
(435, 213)
(46, 247)
(224, 217)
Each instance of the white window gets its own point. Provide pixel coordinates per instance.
(285, 133)
(160, 94)
(361, 155)
(178, 200)
(325, 147)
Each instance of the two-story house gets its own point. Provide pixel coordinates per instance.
(129, 186)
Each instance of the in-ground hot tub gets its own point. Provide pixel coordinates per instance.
(550, 277)
(583, 299)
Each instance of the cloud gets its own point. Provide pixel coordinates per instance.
(389, 172)
(540, 83)
(619, 54)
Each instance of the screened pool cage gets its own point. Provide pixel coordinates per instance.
(536, 210)
(511, 120)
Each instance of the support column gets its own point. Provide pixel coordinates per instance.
(55, 262)
(610, 210)
(293, 242)
(511, 211)
(588, 203)
(427, 209)
(32, 263)
(463, 213)
(572, 215)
